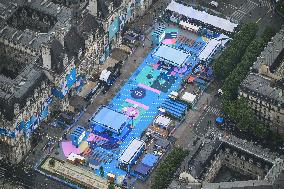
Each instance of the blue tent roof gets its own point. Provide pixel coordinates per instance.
(149, 160)
(220, 120)
(110, 119)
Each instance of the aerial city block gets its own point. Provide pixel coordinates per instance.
(141, 94)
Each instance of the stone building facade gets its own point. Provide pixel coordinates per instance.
(264, 85)
(261, 169)
(46, 49)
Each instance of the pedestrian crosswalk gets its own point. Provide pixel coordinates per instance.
(265, 3)
(248, 6)
(2, 172)
(215, 111)
(243, 10)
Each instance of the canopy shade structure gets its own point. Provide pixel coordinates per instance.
(110, 119)
(105, 75)
(209, 50)
(150, 160)
(170, 55)
(202, 16)
(189, 26)
(189, 97)
(131, 152)
(162, 120)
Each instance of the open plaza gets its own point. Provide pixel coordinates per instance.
(126, 138)
(144, 94)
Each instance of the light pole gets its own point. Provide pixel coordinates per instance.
(132, 115)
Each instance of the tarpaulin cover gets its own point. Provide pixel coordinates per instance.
(149, 160)
(111, 119)
(142, 169)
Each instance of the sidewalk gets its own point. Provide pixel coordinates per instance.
(186, 131)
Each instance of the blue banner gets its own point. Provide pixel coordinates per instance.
(129, 12)
(57, 93)
(113, 28)
(106, 51)
(71, 78)
(63, 90)
(5, 132)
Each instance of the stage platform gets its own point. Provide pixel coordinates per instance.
(171, 55)
(110, 119)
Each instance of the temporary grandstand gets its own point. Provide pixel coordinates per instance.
(175, 108)
(77, 136)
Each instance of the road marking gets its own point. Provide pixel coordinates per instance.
(258, 20)
(253, 2)
(263, 16)
(265, 3)
(243, 10)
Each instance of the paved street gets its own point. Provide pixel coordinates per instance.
(245, 9)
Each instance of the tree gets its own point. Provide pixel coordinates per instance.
(260, 130)
(51, 162)
(232, 82)
(238, 109)
(102, 172)
(231, 56)
(111, 186)
(280, 6)
(165, 172)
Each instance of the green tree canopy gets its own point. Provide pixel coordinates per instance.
(51, 162)
(238, 109)
(111, 186)
(102, 172)
(166, 170)
(280, 6)
(232, 55)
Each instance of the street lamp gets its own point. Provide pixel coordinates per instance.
(132, 115)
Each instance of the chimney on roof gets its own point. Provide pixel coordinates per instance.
(93, 7)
